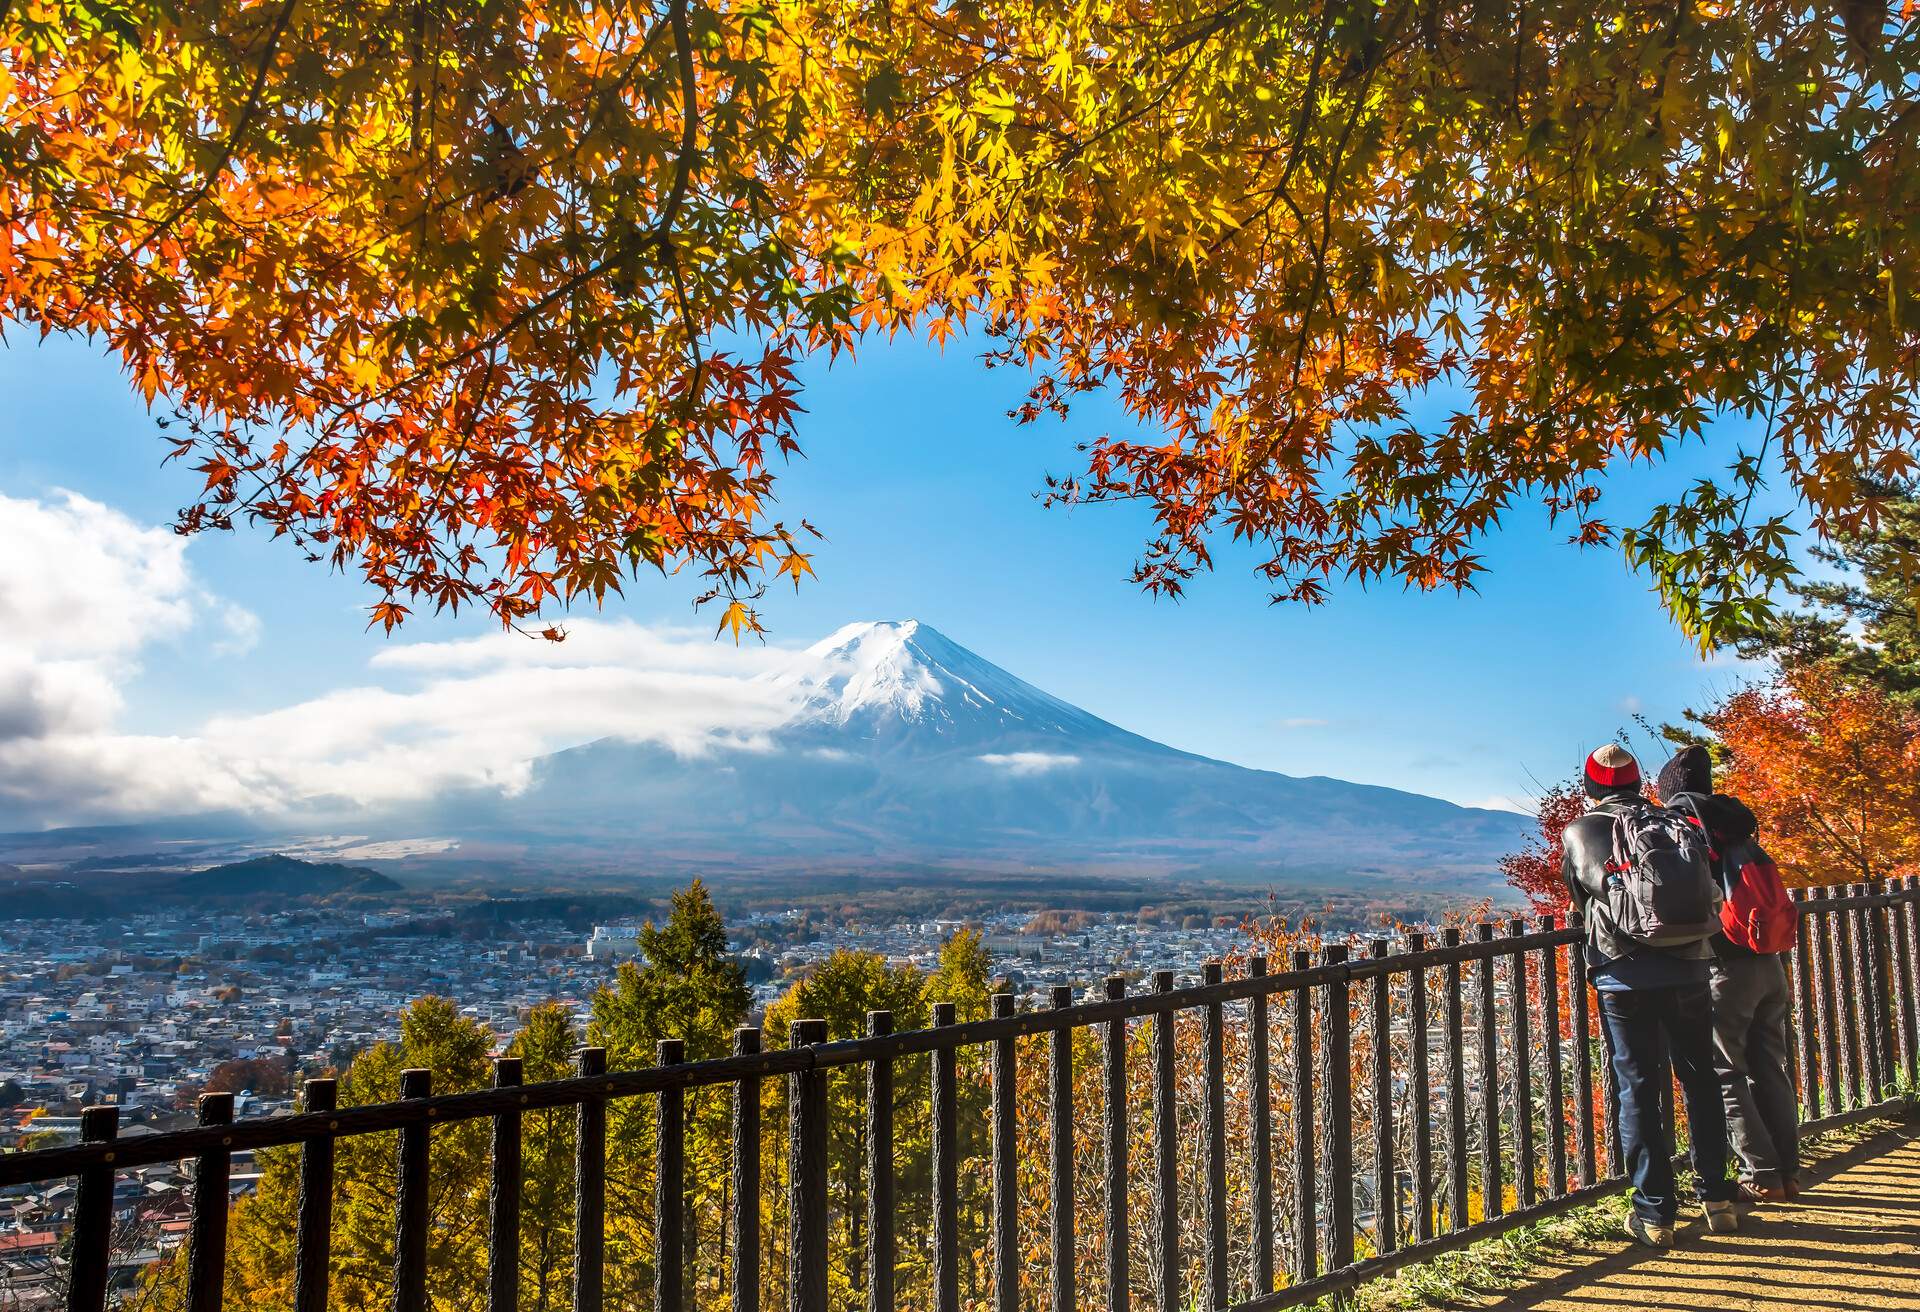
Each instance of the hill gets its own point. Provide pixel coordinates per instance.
(279, 876)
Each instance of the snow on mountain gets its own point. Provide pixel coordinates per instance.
(903, 745)
(891, 679)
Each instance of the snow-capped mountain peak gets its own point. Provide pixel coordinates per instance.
(884, 676)
(876, 667)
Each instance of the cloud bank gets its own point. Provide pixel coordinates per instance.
(85, 591)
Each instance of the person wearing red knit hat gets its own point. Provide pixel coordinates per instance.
(1641, 878)
(1612, 769)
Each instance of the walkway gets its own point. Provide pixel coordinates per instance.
(1852, 1240)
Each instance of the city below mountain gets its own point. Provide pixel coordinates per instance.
(900, 750)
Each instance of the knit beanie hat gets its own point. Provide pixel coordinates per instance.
(1612, 769)
(1690, 771)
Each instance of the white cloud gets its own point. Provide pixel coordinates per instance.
(477, 711)
(663, 648)
(1020, 764)
(1301, 722)
(83, 590)
(79, 580)
(86, 591)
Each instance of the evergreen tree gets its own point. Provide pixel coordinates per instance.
(434, 1035)
(963, 976)
(841, 991)
(1866, 621)
(684, 986)
(545, 1048)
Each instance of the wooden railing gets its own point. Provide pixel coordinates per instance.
(1440, 1081)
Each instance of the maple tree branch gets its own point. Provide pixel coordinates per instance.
(1197, 40)
(1328, 197)
(230, 146)
(662, 234)
(676, 195)
(689, 123)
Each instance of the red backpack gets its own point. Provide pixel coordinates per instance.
(1757, 915)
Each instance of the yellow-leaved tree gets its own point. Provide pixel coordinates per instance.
(497, 304)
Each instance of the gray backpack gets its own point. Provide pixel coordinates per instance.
(1661, 890)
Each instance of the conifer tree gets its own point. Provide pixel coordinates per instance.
(259, 1277)
(1865, 620)
(545, 1048)
(684, 986)
(963, 975)
(841, 991)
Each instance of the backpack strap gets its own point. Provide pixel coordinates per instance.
(1688, 805)
(1622, 858)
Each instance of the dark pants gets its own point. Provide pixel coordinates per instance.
(1750, 1007)
(1658, 1035)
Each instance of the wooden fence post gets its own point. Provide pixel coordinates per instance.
(1118, 1233)
(1005, 1165)
(807, 1175)
(1260, 1099)
(589, 1187)
(313, 1230)
(207, 1248)
(669, 1183)
(745, 1184)
(503, 1198)
(1337, 1080)
(410, 1200)
(1420, 1094)
(93, 1216)
(880, 1171)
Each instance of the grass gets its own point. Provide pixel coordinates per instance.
(1504, 1262)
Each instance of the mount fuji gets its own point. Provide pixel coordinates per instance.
(901, 746)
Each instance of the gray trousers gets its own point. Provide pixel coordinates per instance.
(1751, 1004)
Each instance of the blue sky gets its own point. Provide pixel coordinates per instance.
(926, 492)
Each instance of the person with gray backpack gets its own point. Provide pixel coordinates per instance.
(1642, 877)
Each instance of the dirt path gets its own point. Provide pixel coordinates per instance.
(1852, 1240)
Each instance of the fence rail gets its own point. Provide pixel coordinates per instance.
(1424, 1099)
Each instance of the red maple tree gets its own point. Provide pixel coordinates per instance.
(1535, 869)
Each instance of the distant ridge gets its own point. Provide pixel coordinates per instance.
(105, 886)
(280, 876)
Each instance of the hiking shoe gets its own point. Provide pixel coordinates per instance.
(1762, 1193)
(1791, 1189)
(1721, 1218)
(1651, 1233)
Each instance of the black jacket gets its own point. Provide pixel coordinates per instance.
(1586, 847)
(1727, 821)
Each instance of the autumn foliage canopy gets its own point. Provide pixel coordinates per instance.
(498, 304)
(1831, 765)
(1534, 871)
